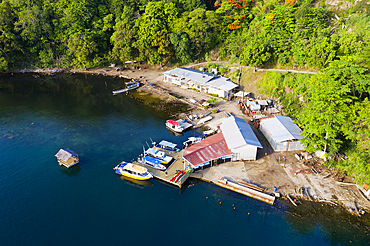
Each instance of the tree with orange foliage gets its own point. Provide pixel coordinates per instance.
(236, 12)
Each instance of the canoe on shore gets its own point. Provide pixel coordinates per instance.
(129, 87)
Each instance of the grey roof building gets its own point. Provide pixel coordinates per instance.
(205, 82)
(240, 138)
(281, 131)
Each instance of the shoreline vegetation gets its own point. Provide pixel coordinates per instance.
(332, 106)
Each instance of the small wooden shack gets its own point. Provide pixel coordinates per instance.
(67, 158)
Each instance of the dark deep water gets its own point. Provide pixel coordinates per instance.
(42, 203)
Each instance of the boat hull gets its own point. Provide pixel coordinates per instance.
(132, 171)
(136, 177)
(151, 162)
(174, 128)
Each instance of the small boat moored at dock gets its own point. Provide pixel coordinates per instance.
(191, 141)
(132, 171)
(178, 126)
(158, 155)
(166, 146)
(67, 158)
(151, 162)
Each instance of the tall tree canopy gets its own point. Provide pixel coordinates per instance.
(154, 31)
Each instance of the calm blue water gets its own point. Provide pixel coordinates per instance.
(42, 203)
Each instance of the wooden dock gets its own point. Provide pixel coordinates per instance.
(171, 171)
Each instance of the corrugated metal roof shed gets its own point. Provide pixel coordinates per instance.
(211, 148)
(195, 75)
(222, 83)
(203, 78)
(282, 128)
(65, 154)
(238, 133)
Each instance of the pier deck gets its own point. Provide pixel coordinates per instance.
(171, 171)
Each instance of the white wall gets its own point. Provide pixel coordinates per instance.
(220, 93)
(282, 146)
(246, 152)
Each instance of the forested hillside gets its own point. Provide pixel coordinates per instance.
(78, 33)
(331, 107)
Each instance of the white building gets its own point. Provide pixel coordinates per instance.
(202, 81)
(240, 138)
(281, 131)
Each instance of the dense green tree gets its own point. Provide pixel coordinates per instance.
(182, 46)
(320, 51)
(203, 27)
(154, 31)
(357, 130)
(81, 48)
(328, 100)
(280, 25)
(124, 36)
(256, 49)
(33, 26)
(189, 5)
(9, 42)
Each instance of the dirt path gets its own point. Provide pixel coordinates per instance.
(256, 69)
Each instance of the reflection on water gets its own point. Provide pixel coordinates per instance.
(334, 222)
(136, 183)
(72, 171)
(176, 134)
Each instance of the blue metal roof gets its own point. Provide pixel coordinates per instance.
(70, 151)
(238, 133)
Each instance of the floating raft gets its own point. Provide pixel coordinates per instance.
(67, 158)
(246, 191)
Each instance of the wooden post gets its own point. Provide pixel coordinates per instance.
(286, 155)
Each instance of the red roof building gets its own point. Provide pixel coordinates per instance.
(207, 151)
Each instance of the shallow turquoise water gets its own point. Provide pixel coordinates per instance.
(44, 204)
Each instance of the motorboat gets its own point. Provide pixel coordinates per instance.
(166, 146)
(132, 171)
(151, 162)
(191, 141)
(131, 82)
(129, 87)
(158, 155)
(178, 126)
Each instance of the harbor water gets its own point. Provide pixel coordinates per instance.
(42, 203)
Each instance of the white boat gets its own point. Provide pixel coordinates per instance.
(191, 141)
(209, 132)
(132, 171)
(158, 155)
(178, 126)
(204, 120)
(166, 146)
(151, 162)
(129, 87)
